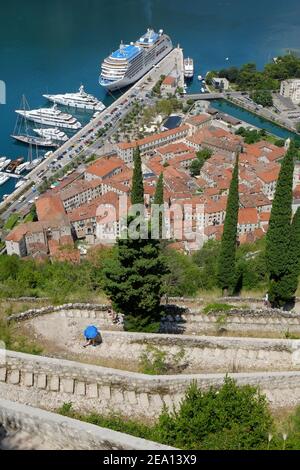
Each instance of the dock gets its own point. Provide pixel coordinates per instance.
(11, 175)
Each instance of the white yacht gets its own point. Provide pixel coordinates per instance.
(188, 68)
(22, 167)
(50, 117)
(52, 134)
(131, 61)
(20, 183)
(3, 179)
(5, 163)
(81, 100)
(34, 163)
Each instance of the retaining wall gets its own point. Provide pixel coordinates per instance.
(33, 428)
(48, 383)
(61, 332)
(255, 322)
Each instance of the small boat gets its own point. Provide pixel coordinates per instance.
(202, 90)
(22, 167)
(35, 163)
(20, 183)
(52, 134)
(14, 164)
(31, 140)
(188, 67)
(4, 164)
(5, 196)
(3, 179)
(200, 78)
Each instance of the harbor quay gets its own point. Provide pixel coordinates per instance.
(173, 62)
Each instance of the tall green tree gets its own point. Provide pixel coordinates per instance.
(279, 234)
(133, 278)
(227, 256)
(158, 202)
(288, 285)
(137, 190)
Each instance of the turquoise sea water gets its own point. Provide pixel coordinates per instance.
(54, 46)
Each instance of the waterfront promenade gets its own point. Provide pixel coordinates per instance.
(79, 143)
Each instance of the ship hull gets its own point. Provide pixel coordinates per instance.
(127, 81)
(48, 122)
(74, 105)
(33, 141)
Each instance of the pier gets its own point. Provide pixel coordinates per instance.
(11, 175)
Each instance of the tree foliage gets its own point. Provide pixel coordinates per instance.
(137, 191)
(278, 246)
(227, 258)
(232, 417)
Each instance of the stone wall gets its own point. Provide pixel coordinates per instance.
(49, 383)
(188, 319)
(32, 428)
(62, 333)
(252, 322)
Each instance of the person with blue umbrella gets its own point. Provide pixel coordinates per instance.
(92, 335)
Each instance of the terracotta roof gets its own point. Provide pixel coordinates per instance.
(49, 207)
(248, 215)
(212, 207)
(251, 237)
(269, 176)
(199, 119)
(152, 138)
(178, 147)
(264, 216)
(20, 231)
(105, 166)
(78, 187)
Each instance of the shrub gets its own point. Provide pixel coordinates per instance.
(232, 417)
(216, 307)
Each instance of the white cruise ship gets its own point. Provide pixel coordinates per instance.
(188, 68)
(50, 117)
(52, 134)
(131, 61)
(79, 100)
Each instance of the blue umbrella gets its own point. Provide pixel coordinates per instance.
(91, 332)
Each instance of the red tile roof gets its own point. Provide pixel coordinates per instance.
(248, 215)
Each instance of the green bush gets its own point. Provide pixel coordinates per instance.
(231, 417)
(217, 307)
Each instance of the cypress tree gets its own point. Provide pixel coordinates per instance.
(279, 234)
(286, 286)
(159, 193)
(133, 278)
(137, 191)
(159, 201)
(226, 261)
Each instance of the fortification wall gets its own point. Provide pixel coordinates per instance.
(24, 427)
(49, 383)
(189, 320)
(62, 333)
